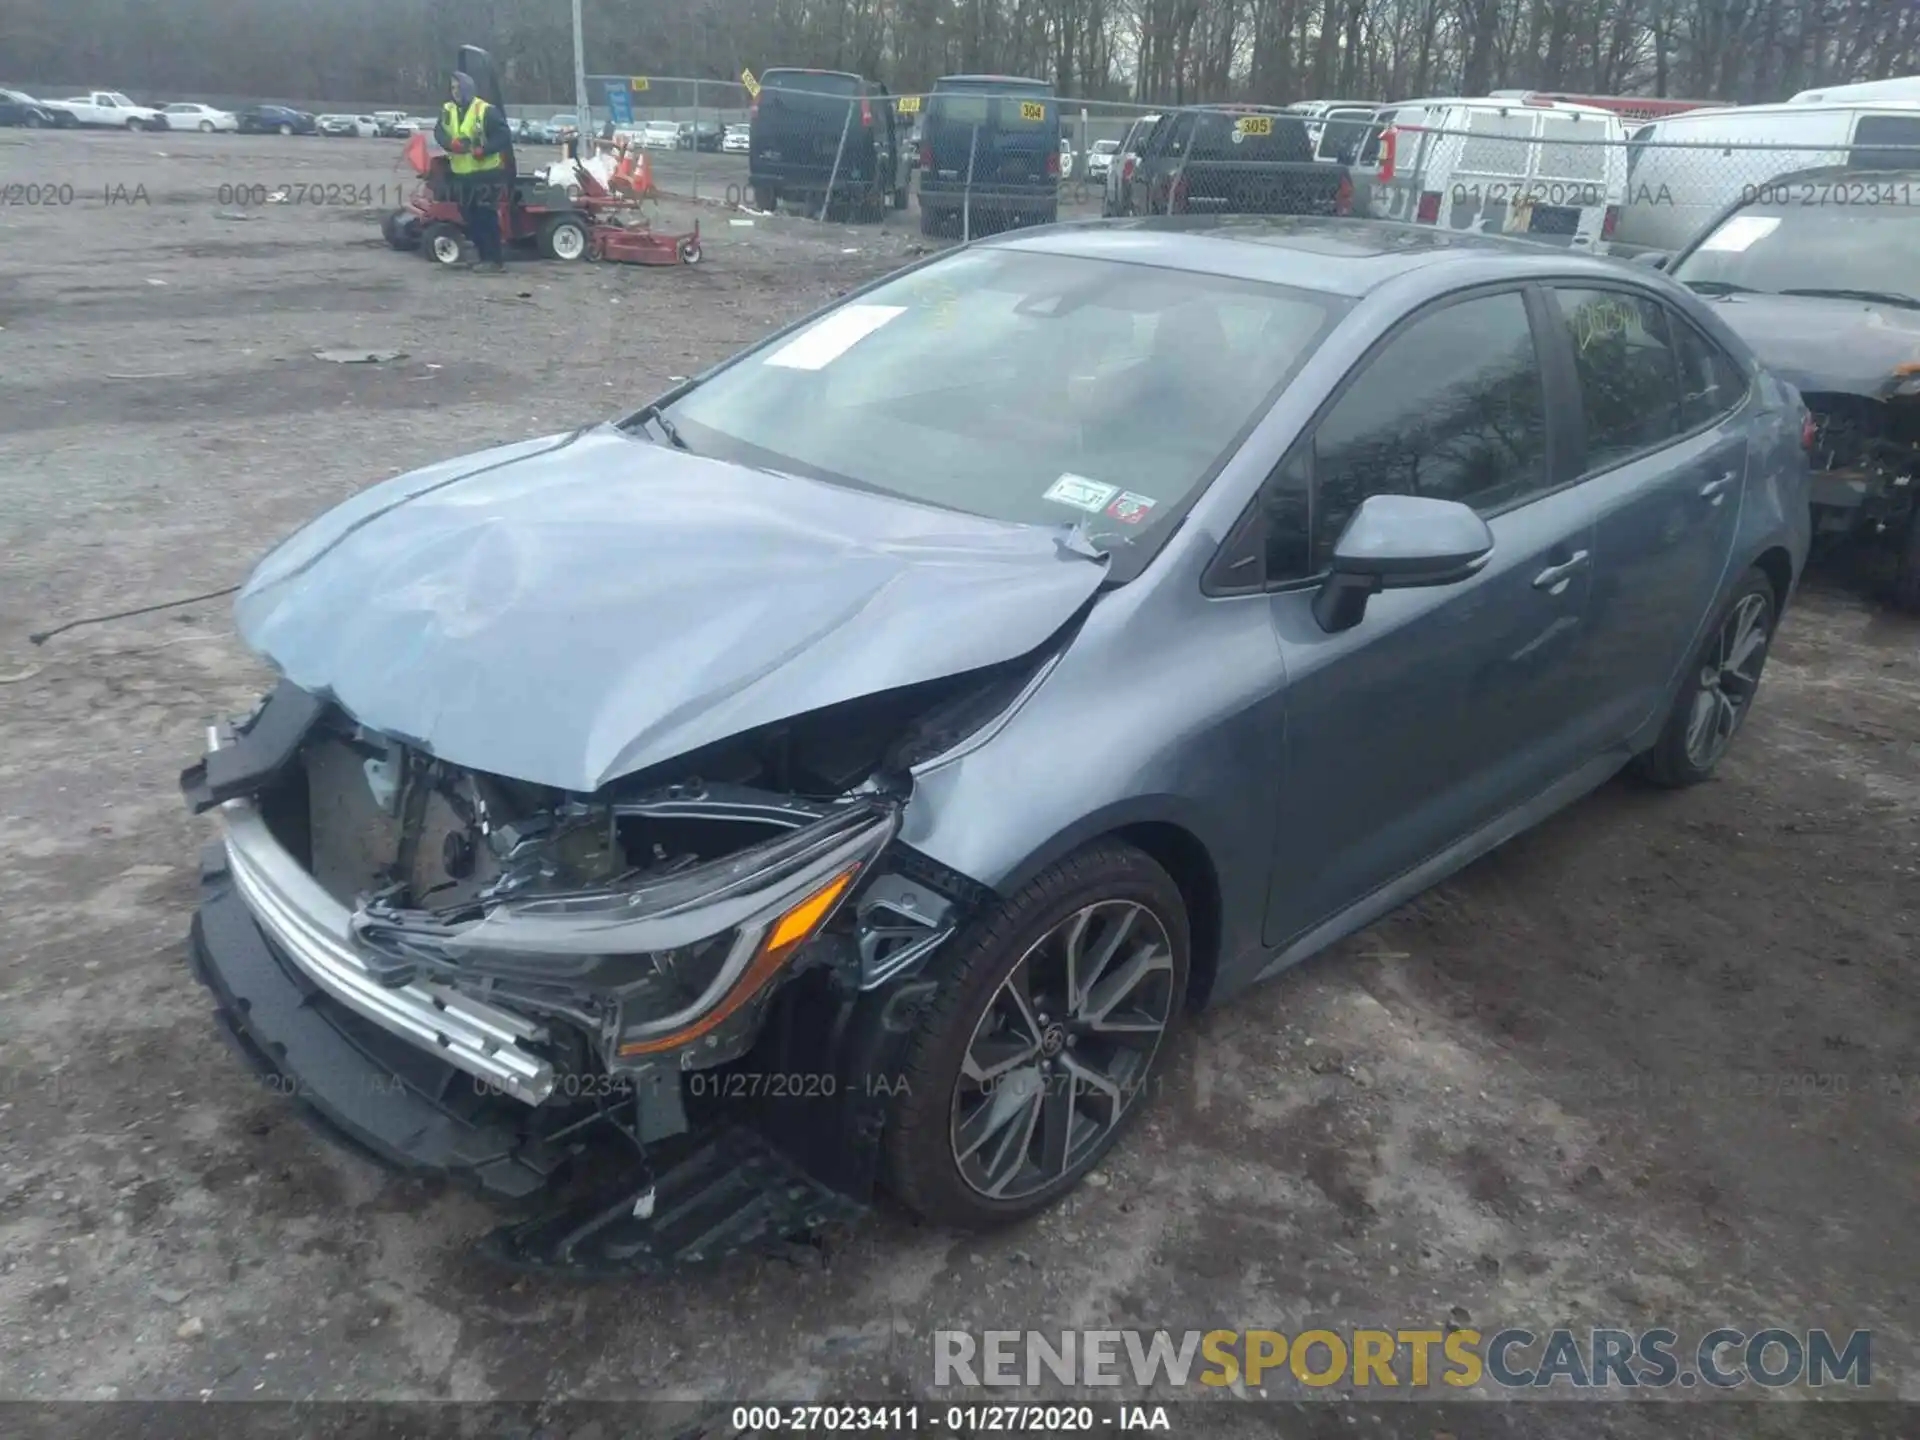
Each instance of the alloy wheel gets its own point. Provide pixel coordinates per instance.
(1727, 681)
(1061, 1050)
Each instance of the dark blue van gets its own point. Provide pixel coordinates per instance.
(989, 154)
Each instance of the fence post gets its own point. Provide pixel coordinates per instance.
(833, 176)
(696, 139)
(966, 195)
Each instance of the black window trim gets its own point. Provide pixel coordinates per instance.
(1560, 452)
(1575, 402)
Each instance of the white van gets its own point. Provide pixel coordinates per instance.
(1683, 170)
(1902, 87)
(1538, 169)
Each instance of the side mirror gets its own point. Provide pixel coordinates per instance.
(1399, 542)
(1657, 259)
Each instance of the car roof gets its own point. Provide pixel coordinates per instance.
(1333, 256)
(991, 80)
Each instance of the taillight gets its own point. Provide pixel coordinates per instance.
(1343, 198)
(1611, 223)
(1429, 211)
(1177, 197)
(1809, 432)
(1053, 164)
(926, 156)
(1126, 171)
(1389, 143)
(753, 108)
(866, 114)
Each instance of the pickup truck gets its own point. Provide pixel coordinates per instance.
(109, 108)
(1234, 160)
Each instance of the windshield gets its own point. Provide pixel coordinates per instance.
(1040, 389)
(1105, 147)
(1864, 246)
(120, 99)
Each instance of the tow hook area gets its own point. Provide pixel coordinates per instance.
(731, 1193)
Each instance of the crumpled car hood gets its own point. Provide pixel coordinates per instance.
(572, 609)
(1818, 344)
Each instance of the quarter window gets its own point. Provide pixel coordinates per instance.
(1623, 357)
(1710, 383)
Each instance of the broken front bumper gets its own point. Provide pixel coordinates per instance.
(313, 930)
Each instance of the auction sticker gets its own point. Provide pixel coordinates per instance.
(1131, 509)
(827, 340)
(1081, 493)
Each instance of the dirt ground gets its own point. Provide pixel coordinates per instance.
(1655, 1063)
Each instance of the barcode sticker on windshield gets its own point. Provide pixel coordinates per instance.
(1081, 493)
(821, 344)
(1740, 232)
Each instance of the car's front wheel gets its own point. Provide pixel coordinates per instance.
(1042, 1040)
(1717, 690)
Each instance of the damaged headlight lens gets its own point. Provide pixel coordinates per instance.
(663, 964)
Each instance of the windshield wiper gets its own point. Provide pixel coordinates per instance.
(1871, 297)
(1718, 287)
(667, 427)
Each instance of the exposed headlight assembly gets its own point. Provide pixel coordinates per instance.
(661, 964)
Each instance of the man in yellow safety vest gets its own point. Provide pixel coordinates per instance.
(479, 146)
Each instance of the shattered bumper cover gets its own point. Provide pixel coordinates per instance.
(386, 1096)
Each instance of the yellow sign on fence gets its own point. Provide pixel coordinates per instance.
(908, 105)
(1256, 124)
(1032, 110)
(753, 85)
(636, 83)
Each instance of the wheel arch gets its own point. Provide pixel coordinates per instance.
(1777, 565)
(1162, 828)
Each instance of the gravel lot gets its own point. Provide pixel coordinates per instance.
(1656, 1063)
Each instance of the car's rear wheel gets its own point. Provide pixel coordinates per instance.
(1717, 691)
(1041, 1042)
(206, 127)
(286, 129)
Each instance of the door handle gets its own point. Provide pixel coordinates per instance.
(1554, 578)
(1715, 490)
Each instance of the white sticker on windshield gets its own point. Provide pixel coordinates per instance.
(1081, 493)
(1740, 232)
(821, 344)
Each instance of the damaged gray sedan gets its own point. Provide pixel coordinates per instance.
(842, 773)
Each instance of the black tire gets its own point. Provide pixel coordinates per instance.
(401, 230)
(286, 129)
(34, 122)
(900, 197)
(442, 243)
(1905, 594)
(563, 237)
(206, 127)
(930, 220)
(919, 1164)
(1670, 764)
(766, 197)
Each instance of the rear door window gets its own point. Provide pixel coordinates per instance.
(1572, 149)
(1623, 356)
(1886, 142)
(1496, 144)
(1224, 135)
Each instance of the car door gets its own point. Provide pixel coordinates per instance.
(1446, 708)
(1153, 179)
(1663, 438)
